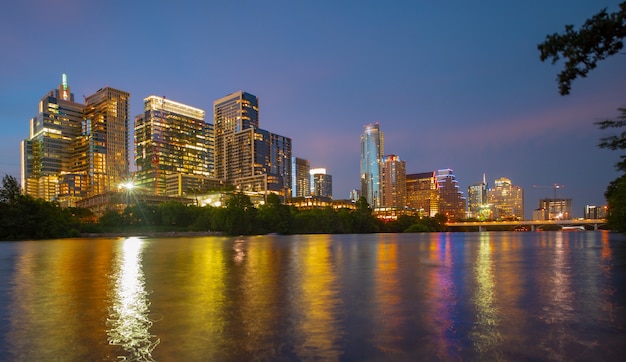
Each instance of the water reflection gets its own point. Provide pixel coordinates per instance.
(129, 322)
(486, 332)
(315, 303)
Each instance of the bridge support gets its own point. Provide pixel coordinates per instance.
(482, 228)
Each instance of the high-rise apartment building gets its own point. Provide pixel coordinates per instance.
(171, 138)
(300, 177)
(76, 150)
(372, 150)
(553, 209)
(47, 156)
(452, 202)
(422, 193)
(393, 181)
(246, 156)
(506, 199)
(477, 200)
(321, 183)
(103, 146)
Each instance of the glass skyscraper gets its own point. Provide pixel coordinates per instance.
(372, 150)
(170, 138)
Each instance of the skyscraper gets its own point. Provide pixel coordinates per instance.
(300, 177)
(477, 199)
(452, 202)
(170, 138)
(393, 180)
(422, 192)
(321, 183)
(372, 149)
(47, 156)
(507, 200)
(104, 143)
(246, 156)
(231, 114)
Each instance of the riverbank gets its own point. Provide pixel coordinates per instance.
(153, 234)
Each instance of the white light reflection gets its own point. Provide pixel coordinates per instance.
(128, 320)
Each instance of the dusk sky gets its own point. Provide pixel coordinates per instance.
(453, 84)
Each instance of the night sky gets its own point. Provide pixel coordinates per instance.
(453, 84)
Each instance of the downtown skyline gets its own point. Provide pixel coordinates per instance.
(448, 94)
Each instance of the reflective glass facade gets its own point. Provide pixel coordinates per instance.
(372, 149)
(171, 138)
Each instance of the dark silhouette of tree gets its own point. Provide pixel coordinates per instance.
(600, 37)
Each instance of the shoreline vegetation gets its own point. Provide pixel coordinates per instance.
(22, 217)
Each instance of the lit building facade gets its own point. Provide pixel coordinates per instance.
(46, 165)
(393, 180)
(321, 183)
(103, 146)
(372, 150)
(300, 177)
(171, 138)
(507, 200)
(477, 201)
(250, 158)
(234, 113)
(452, 203)
(553, 209)
(422, 193)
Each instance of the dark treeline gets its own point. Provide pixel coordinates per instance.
(23, 217)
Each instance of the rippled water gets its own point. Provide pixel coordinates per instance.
(446, 296)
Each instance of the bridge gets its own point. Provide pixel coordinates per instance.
(531, 224)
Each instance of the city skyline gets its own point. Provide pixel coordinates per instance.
(455, 85)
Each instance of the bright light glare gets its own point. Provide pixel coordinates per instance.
(127, 185)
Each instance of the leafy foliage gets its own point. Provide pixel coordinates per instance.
(600, 37)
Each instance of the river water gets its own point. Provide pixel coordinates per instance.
(552, 296)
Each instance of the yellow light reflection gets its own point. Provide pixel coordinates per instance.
(486, 333)
(128, 320)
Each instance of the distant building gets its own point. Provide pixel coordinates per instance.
(171, 138)
(393, 181)
(300, 177)
(553, 209)
(372, 150)
(595, 212)
(422, 193)
(477, 200)
(321, 183)
(507, 200)
(452, 203)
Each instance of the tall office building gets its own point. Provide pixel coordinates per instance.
(250, 158)
(393, 181)
(47, 156)
(321, 183)
(372, 150)
(477, 200)
(507, 200)
(104, 145)
(171, 138)
(231, 114)
(300, 177)
(452, 202)
(553, 209)
(422, 192)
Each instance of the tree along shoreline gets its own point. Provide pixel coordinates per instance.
(23, 217)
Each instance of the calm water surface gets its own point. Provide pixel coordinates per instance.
(550, 296)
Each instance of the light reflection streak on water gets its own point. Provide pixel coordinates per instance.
(559, 308)
(486, 334)
(128, 320)
(387, 296)
(440, 299)
(317, 327)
